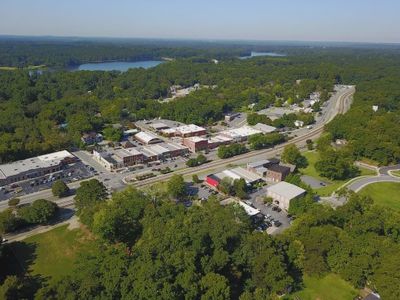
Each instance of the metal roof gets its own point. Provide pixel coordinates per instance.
(286, 190)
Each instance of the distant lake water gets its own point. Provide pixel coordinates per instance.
(255, 54)
(122, 66)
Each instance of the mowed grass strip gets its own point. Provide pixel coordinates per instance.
(330, 287)
(386, 194)
(333, 185)
(51, 254)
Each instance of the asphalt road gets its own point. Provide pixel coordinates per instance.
(338, 104)
(363, 182)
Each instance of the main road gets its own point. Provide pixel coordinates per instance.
(338, 104)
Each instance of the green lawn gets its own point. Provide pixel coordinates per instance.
(51, 254)
(312, 157)
(384, 193)
(396, 173)
(330, 287)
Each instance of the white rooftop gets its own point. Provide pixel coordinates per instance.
(185, 129)
(42, 161)
(244, 131)
(264, 128)
(287, 190)
(196, 139)
(248, 176)
(146, 137)
(249, 210)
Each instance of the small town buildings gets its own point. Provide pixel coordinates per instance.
(240, 134)
(130, 132)
(218, 140)
(90, 138)
(277, 173)
(159, 126)
(298, 123)
(147, 138)
(35, 167)
(212, 180)
(185, 131)
(283, 192)
(230, 117)
(264, 128)
(265, 163)
(234, 174)
(195, 143)
(114, 159)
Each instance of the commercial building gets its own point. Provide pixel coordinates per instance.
(283, 192)
(264, 128)
(114, 159)
(35, 167)
(277, 173)
(159, 126)
(195, 143)
(233, 174)
(130, 132)
(185, 131)
(240, 134)
(147, 138)
(219, 140)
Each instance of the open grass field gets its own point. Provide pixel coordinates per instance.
(384, 193)
(49, 255)
(312, 157)
(330, 287)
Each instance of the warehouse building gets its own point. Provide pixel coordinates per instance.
(147, 138)
(283, 192)
(240, 134)
(35, 167)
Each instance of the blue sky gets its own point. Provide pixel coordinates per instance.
(301, 20)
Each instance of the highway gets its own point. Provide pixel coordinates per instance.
(338, 104)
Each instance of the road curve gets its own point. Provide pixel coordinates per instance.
(341, 105)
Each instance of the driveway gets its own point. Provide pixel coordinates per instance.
(385, 170)
(356, 186)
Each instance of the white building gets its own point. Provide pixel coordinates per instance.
(241, 133)
(298, 123)
(264, 128)
(34, 167)
(147, 138)
(283, 192)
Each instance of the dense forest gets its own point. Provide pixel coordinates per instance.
(148, 247)
(45, 112)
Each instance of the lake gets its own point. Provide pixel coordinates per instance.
(122, 66)
(255, 54)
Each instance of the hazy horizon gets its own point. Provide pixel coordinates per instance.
(236, 20)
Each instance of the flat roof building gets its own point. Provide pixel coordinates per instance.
(283, 192)
(241, 133)
(264, 128)
(195, 143)
(34, 167)
(159, 126)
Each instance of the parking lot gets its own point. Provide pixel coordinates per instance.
(70, 173)
(276, 220)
